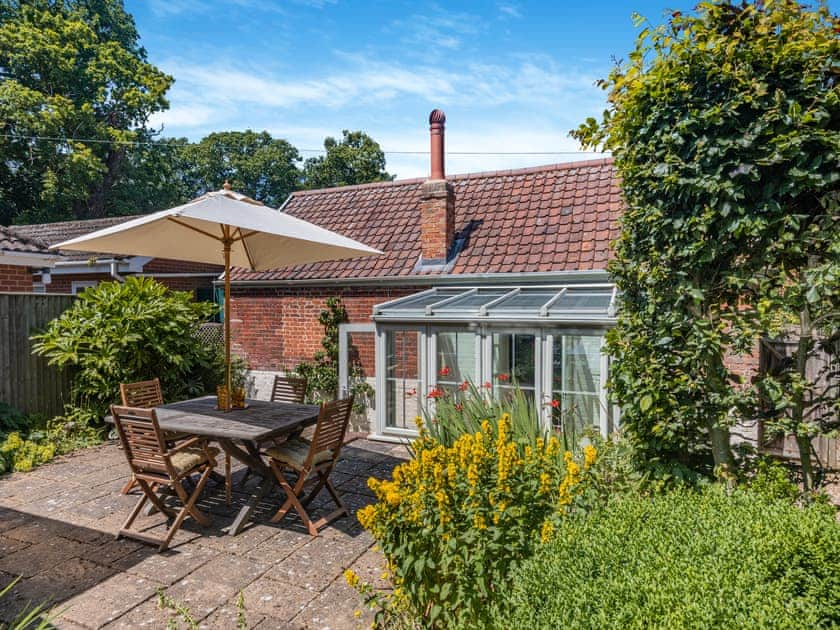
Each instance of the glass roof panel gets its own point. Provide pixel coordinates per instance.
(579, 300)
(473, 301)
(525, 300)
(422, 301)
(526, 303)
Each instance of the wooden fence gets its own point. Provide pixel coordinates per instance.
(26, 381)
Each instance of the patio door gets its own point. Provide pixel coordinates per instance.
(401, 380)
(357, 367)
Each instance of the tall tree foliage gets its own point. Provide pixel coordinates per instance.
(155, 175)
(254, 163)
(70, 69)
(724, 124)
(355, 159)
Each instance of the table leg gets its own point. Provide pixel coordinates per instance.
(250, 457)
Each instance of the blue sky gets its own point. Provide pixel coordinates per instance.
(511, 76)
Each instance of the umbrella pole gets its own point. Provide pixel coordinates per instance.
(227, 244)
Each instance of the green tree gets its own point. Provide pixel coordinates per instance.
(724, 126)
(124, 332)
(154, 176)
(355, 159)
(254, 163)
(70, 69)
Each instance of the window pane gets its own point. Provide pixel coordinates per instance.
(402, 378)
(514, 363)
(581, 363)
(455, 358)
(576, 383)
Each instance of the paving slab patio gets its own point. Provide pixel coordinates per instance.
(57, 527)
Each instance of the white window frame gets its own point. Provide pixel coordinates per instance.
(432, 333)
(543, 366)
(605, 423)
(382, 428)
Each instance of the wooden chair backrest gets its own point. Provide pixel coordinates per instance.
(291, 389)
(142, 394)
(331, 427)
(142, 439)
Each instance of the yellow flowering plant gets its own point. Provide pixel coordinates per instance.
(455, 520)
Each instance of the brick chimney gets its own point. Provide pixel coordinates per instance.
(437, 207)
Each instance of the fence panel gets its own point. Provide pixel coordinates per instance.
(26, 381)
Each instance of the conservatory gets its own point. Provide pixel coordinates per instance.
(546, 340)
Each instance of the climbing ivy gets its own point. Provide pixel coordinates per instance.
(724, 127)
(322, 371)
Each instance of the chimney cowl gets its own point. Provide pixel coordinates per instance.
(437, 116)
(436, 131)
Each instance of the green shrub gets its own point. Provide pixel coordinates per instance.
(122, 332)
(461, 412)
(22, 451)
(454, 520)
(684, 559)
(22, 454)
(12, 419)
(321, 373)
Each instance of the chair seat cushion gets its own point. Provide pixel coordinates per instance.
(295, 452)
(189, 458)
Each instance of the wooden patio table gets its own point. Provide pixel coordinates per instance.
(238, 432)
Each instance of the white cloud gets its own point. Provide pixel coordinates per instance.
(526, 104)
(509, 10)
(436, 30)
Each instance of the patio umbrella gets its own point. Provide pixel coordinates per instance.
(227, 228)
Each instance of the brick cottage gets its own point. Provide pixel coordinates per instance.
(20, 257)
(539, 236)
(74, 271)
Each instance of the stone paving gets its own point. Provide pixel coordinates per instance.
(57, 526)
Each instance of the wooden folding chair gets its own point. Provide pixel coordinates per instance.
(312, 461)
(291, 389)
(154, 463)
(143, 394)
(148, 394)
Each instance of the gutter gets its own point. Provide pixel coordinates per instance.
(536, 277)
(28, 259)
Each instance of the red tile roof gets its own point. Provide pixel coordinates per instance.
(52, 233)
(560, 217)
(13, 242)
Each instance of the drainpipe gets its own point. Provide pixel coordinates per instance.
(114, 273)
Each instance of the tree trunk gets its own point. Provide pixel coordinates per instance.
(803, 440)
(99, 197)
(721, 448)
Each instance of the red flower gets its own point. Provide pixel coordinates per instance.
(555, 403)
(435, 392)
(464, 386)
(488, 385)
(444, 371)
(459, 407)
(504, 377)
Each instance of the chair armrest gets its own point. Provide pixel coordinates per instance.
(193, 441)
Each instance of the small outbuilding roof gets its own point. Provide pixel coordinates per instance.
(52, 233)
(573, 303)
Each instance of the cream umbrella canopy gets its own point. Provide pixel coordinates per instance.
(227, 228)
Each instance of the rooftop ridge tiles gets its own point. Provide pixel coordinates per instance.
(528, 170)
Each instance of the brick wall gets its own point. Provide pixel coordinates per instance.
(277, 328)
(15, 279)
(63, 283)
(164, 265)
